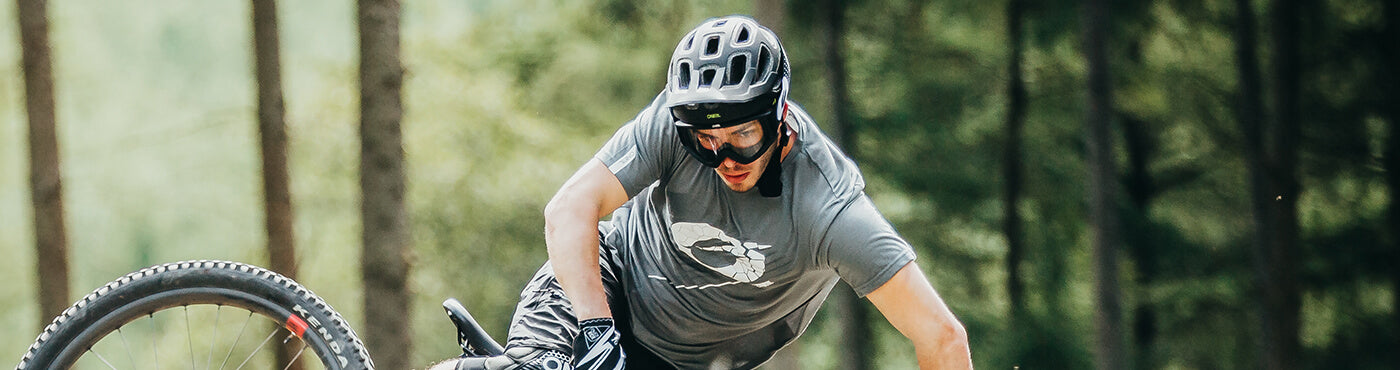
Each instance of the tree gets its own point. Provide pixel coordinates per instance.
(854, 313)
(1141, 247)
(1011, 159)
(1102, 191)
(272, 135)
(773, 14)
(45, 175)
(1272, 161)
(1141, 234)
(1249, 113)
(385, 262)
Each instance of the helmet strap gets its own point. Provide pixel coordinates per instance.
(770, 184)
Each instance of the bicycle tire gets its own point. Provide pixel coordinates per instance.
(183, 284)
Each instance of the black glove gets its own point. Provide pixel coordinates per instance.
(597, 346)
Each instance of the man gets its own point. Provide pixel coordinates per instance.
(732, 219)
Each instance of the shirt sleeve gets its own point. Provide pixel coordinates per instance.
(864, 248)
(643, 151)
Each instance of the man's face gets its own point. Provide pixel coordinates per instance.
(739, 177)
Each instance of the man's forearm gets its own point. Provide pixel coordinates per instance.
(573, 253)
(914, 308)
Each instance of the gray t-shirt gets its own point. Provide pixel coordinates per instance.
(713, 276)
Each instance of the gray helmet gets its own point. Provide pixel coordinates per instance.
(721, 69)
(725, 72)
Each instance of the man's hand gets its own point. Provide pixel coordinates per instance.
(597, 346)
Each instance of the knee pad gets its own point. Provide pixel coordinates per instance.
(545, 360)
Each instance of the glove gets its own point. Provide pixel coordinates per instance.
(597, 346)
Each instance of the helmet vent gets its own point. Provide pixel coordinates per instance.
(712, 46)
(743, 35)
(683, 78)
(764, 59)
(737, 69)
(707, 78)
(689, 42)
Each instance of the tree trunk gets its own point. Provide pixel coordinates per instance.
(45, 175)
(854, 314)
(385, 262)
(1139, 143)
(1011, 164)
(833, 30)
(1104, 223)
(272, 136)
(1250, 114)
(1270, 145)
(773, 14)
(1141, 190)
(1276, 257)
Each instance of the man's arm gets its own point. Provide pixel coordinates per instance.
(571, 234)
(910, 304)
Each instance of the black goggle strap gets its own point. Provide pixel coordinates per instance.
(770, 184)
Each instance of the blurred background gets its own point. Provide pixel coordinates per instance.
(156, 106)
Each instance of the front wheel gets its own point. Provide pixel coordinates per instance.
(232, 316)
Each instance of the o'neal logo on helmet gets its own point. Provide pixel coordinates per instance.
(712, 116)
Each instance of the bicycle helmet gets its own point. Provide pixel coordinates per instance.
(729, 71)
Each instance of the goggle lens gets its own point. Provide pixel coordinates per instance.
(743, 143)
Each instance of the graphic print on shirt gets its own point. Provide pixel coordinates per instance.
(711, 247)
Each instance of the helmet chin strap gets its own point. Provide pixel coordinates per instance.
(770, 184)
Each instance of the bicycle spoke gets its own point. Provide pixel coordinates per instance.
(155, 354)
(209, 362)
(129, 356)
(189, 334)
(235, 340)
(104, 359)
(295, 357)
(158, 331)
(256, 350)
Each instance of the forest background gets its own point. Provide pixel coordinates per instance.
(156, 107)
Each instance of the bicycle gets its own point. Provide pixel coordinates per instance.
(93, 332)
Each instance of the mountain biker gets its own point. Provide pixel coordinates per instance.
(733, 217)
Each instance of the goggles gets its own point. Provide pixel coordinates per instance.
(744, 143)
(743, 131)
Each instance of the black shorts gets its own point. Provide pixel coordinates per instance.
(544, 319)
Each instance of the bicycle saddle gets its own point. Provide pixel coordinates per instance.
(473, 339)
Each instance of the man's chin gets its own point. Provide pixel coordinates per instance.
(741, 186)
